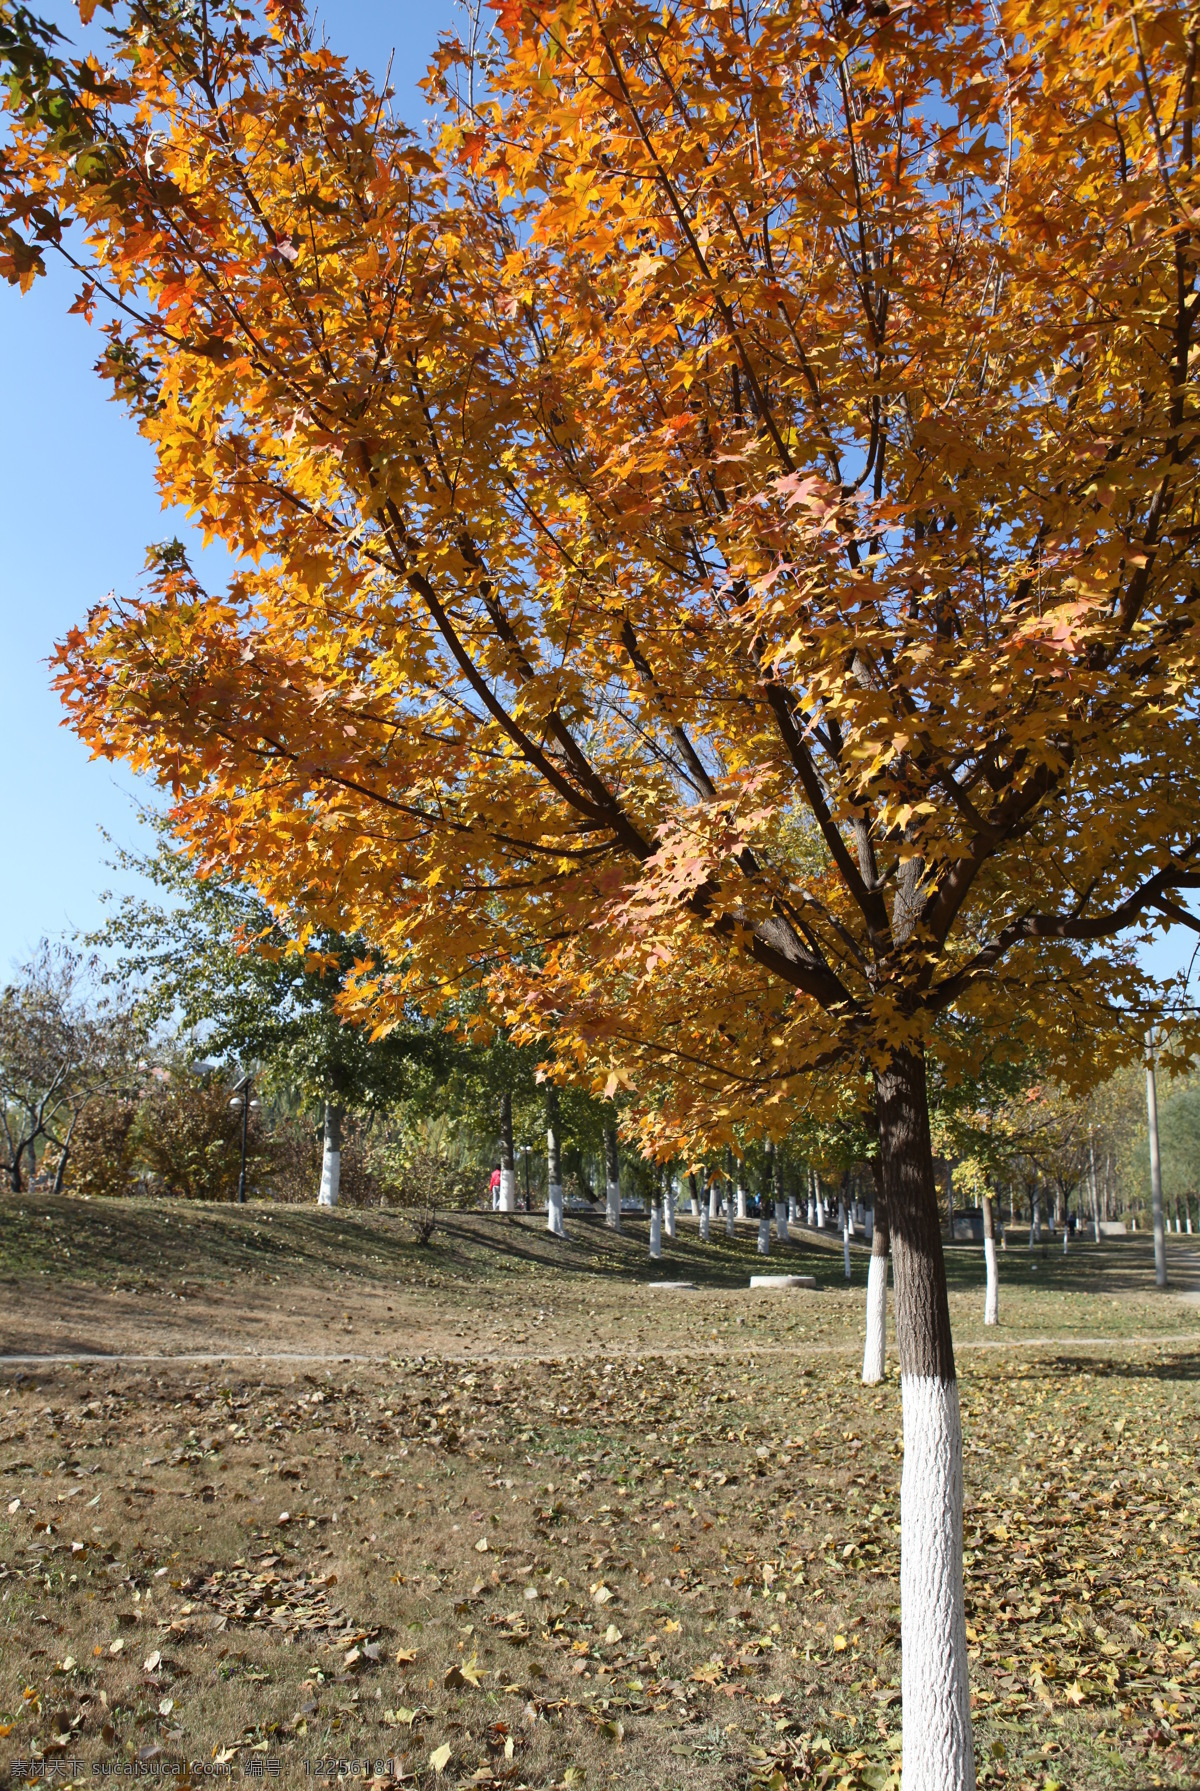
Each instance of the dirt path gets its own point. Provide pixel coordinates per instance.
(737, 1353)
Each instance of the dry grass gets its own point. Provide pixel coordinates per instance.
(688, 1505)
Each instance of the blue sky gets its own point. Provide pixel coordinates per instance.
(78, 507)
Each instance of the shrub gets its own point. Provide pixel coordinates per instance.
(188, 1138)
(101, 1159)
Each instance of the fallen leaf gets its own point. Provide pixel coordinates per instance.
(439, 1759)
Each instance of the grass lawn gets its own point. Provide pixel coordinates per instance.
(497, 1511)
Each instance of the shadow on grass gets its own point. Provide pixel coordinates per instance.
(138, 1241)
(1177, 1365)
(1114, 1267)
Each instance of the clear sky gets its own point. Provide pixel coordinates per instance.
(78, 507)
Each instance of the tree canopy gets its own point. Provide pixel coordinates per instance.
(716, 525)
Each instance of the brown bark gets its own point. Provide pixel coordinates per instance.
(880, 1236)
(910, 1192)
(989, 1223)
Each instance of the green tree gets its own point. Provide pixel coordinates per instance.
(209, 963)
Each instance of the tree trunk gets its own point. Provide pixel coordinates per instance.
(779, 1197)
(820, 1202)
(730, 1211)
(938, 1745)
(764, 1227)
(612, 1180)
(844, 1222)
(1156, 1189)
(875, 1349)
(64, 1156)
(508, 1166)
(655, 1223)
(331, 1157)
(812, 1198)
(669, 1209)
(1095, 1194)
(694, 1195)
(554, 1193)
(991, 1299)
(706, 1200)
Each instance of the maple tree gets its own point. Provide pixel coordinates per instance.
(717, 547)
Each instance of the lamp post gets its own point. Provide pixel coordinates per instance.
(242, 1088)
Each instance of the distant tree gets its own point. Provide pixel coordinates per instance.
(59, 1051)
(210, 963)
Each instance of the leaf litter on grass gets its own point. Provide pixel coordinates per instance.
(693, 1560)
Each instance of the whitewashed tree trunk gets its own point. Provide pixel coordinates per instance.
(938, 1746)
(741, 1200)
(764, 1229)
(939, 1752)
(508, 1167)
(704, 1222)
(694, 1195)
(669, 1211)
(812, 1198)
(612, 1183)
(730, 1216)
(875, 1348)
(331, 1157)
(844, 1224)
(820, 1205)
(714, 1200)
(554, 1193)
(775, 1193)
(991, 1302)
(656, 1228)
(1095, 1195)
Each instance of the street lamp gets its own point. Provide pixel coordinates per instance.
(242, 1088)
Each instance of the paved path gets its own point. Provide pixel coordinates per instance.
(741, 1352)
